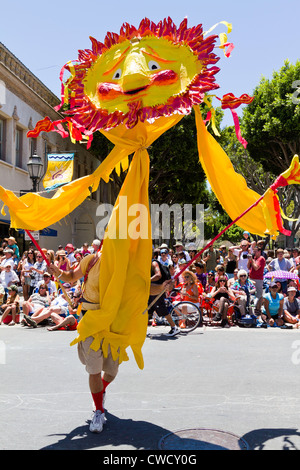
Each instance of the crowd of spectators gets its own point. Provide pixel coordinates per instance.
(238, 275)
(226, 275)
(27, 286)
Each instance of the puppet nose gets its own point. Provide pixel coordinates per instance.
(135, 75)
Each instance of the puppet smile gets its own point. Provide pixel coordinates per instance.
(135, 91)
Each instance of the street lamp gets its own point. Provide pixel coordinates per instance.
(35, 169)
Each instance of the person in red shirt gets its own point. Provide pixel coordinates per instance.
(256, 266)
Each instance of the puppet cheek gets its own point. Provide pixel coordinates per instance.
(108, 91)
(165, 77)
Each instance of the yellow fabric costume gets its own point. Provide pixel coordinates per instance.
(133, 87)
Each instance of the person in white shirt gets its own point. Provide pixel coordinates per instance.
(8, 259)
(8, 277)
(243, 252)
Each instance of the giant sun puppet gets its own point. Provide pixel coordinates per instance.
(133, 87)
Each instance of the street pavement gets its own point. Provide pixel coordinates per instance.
(239, 381)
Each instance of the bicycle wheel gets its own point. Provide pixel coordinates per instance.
(187, 316)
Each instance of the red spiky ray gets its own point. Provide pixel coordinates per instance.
(87, 119)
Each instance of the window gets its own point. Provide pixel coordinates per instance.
(2, 139)
(19, 149)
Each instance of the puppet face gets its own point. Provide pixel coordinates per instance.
(139, 74)
(147, 70)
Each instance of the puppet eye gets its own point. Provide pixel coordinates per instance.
(153, 65)
(117, 74)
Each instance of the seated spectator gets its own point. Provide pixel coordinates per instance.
(291, 307)
(8, 277)
(272, 310)
(189, 288)
(190, 292)
(294, 283)
(37, 301)
(2, 293)
(243, 288)
(222, 296)
(51, 286)
(234, 279)
(59, 306)
(12, 305)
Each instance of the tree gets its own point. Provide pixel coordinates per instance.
(271, 125)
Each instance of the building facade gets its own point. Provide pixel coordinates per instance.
(24, 100)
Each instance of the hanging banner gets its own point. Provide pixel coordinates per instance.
(59, 170)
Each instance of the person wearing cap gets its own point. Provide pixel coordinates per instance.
(51, 287)
(8, 252)
(69, 248)
(12, 305)
(8, 277)
(272, 310)
(179, 248)
(164, 259)
(291, 307)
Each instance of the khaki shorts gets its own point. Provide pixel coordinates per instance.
(94, 361)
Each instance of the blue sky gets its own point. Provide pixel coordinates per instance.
(46, 35)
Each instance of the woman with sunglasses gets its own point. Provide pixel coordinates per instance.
(272, 310)
(222, 296)
(35, 304)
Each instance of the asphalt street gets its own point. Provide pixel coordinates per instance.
(240, 381)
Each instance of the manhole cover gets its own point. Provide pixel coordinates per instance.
(202, 439)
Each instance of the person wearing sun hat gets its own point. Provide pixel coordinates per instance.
(291, 307)
(70, 253)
